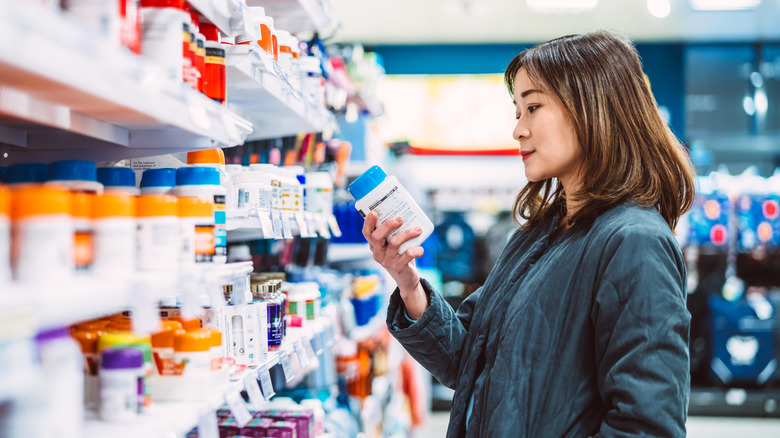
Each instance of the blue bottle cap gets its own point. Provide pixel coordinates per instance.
(366, 182)
(163, 177)
(197, 176)
(116, 176)
(26, 173)
(72, 170)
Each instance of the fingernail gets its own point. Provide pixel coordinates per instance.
(418, 230)
(398, 220)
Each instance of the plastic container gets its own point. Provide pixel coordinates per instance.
(192, 353)
(163, 23)
(200, 60)
(296, 180)
(274, 317)
(158, 181)
(158, 233)
(231, 172)
(121, 383)
(254, 189)
(312, 86)
(318, 197)
(304, 299)
(24, 173)
(162, 347)
(215, 79)
(204, 183)
(375, 191)
(75, 175)
(102, 18)
(263, 26)
(5, 235)
(83, 235)
(43, 234)
(196, 231)
(274, 193)
(114, 238)
(130, 25)
(120, 179)
(62, 377)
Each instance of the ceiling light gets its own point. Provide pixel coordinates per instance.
(723, 5)
(659, 8)
(561, 6)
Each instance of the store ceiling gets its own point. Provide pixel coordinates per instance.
(510, 21)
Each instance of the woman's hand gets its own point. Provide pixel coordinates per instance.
(401, 267)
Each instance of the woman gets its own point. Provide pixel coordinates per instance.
(581, 327)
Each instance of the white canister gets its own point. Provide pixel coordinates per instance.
(114, 235)
(161, 39)
(254, 189)
(196, 230)
(158, 233)
(121, 383)
(204, 183)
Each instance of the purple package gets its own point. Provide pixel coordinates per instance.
(281, 429)
(304, 420)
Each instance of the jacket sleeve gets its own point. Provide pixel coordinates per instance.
(437, 339)
(641, 335)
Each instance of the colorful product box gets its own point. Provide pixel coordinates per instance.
(758, 219)
(709, 221)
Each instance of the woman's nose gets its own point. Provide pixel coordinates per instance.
(521, 131)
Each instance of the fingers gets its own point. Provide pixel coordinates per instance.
(396, 241)
(387, 227)
(369, 224)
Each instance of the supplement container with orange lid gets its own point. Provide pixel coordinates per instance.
(42, 243)
(5, 234)
(187, 323)
(262, 25)
(114, 238)
(157, 233)
(75, 175)
(162, 347)
(196, 231)
(192, 353)
(217, 351)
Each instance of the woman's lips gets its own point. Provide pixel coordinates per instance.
(526, 154)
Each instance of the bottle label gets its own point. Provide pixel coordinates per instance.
(220, 232)
(204, 243)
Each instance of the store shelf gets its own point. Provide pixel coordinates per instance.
(260, 91)
(218, 12)
(246, 224)
(82, 298)
(298, 15)
(176, 419)
(735, 402)
(64, 92)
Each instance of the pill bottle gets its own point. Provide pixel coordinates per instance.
(262, 25)
(75, 175)
(200, 60)
(303, 299)
(130, 25)
(162, 347)
(87, 338)
(196, 230)
(187, 323)
(298, 182)
(123, 339)
(101, 18)
(5, 235)
(165, 36)
(24, 173)
(158, 246)
(121, 383)
(192, 353)
(215, 159)
(254, 189)
(375, 191)
(262, 292)
(215, 79)
(158, 181)
(273, 192)
(203, 183)
(318, 197)
(62, 377)
(42, 241)
(120, 179)
(83, 234)
(114, 234)
(312, 87)
(232, 171)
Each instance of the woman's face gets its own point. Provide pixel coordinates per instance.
(548, 141)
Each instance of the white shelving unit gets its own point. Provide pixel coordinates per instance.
(298, 15)
(252, 224)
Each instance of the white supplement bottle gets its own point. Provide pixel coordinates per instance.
(114, 239)
(120, 372)
(203, 183)
(375, 191)
(158, 233)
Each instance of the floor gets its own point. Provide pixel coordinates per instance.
(698, 427)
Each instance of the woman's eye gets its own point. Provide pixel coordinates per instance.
(532, 108)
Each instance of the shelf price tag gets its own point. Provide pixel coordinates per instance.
(284, 359)
(322, 226)
(308, 346)
(207, 425)
(302, 227)
(286, 226)
(334, 226)
(238, 408)
(311, 224)
(265, 382)
(276, 218)
(266, 225)
(303, 355)
(316, 343)
(253, 390)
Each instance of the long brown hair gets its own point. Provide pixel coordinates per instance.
(629, 151)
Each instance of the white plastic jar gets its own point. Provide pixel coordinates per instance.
(161, 37)
(276, 184)
(254, 189)
(375, 191)
(62, 377)
(231, 199)
(303, 299)
(297, 177)
(42, 241)
(192, 353)
(121, 383)
(114, 225)
(318, 197)
(158, 233)
(204, 183)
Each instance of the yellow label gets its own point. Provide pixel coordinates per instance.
(215, 60)
(201, 51)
